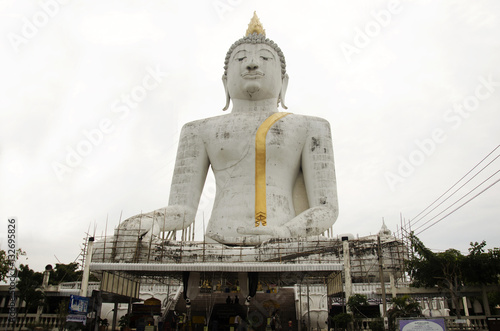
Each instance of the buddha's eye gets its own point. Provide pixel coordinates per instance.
(265, 58)
(241, 58)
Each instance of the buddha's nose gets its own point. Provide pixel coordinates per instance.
(252, 65)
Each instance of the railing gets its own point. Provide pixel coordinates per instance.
(46, 321)
(363, 323)
(78, 286)
(172, 301)
(466, 323)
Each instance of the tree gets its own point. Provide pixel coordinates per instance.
(429, 269)
(124, 322)
(494, 300)
(450, 270)
(62, 313)
(377, 325)
(342, 320)
(6, 263)
(29, 288)
(65, 273)
(402, 307)
(356, 302)
(480, 267)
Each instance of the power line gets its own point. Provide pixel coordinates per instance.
(456, 192)
(454, 210)
(456, 201)
(454, 185)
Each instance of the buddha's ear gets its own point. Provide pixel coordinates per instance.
(281, 97)
(226, 91)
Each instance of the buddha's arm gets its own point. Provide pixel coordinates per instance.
(319, 177)
(190, 171)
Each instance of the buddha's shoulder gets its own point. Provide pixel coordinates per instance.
(201, 123)
(308, 118)
(310, 122)
(228, 119)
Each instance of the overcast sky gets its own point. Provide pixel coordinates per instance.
(93, 95)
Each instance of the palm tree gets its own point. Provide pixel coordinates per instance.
(402, 307)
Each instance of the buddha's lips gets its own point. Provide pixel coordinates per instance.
(253, 74)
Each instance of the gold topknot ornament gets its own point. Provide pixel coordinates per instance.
(255, 26)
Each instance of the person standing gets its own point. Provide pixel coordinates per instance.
(237, 323)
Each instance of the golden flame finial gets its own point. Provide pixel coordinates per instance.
(255, 26)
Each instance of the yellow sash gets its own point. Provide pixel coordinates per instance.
(260, 168)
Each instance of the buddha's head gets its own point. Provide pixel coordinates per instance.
(255, 68)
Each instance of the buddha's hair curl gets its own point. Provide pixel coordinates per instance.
(256, 38)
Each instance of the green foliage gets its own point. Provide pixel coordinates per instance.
(377, 325)
(28, 286)
(65, 273)
(61, 273)
(480, 267)
(428, 269)
(28, 278)
(103, 322)
(494, 301)
(356, 302)
(5, 264)
(451, 270)
(124, 321)
(342, 320)
(62, 313)
(403, 306)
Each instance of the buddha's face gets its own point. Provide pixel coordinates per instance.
(254, 73)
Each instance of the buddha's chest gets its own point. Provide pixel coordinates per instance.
(233, 140)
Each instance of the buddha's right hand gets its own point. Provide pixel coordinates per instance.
(169, 218)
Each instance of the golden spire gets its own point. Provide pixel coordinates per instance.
(255, 26)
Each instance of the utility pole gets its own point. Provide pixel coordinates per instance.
(308, 309)
(347, 270)
(381, 276)
(86, 269)
(300, 308)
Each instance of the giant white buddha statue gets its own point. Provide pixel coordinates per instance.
(274, 170)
